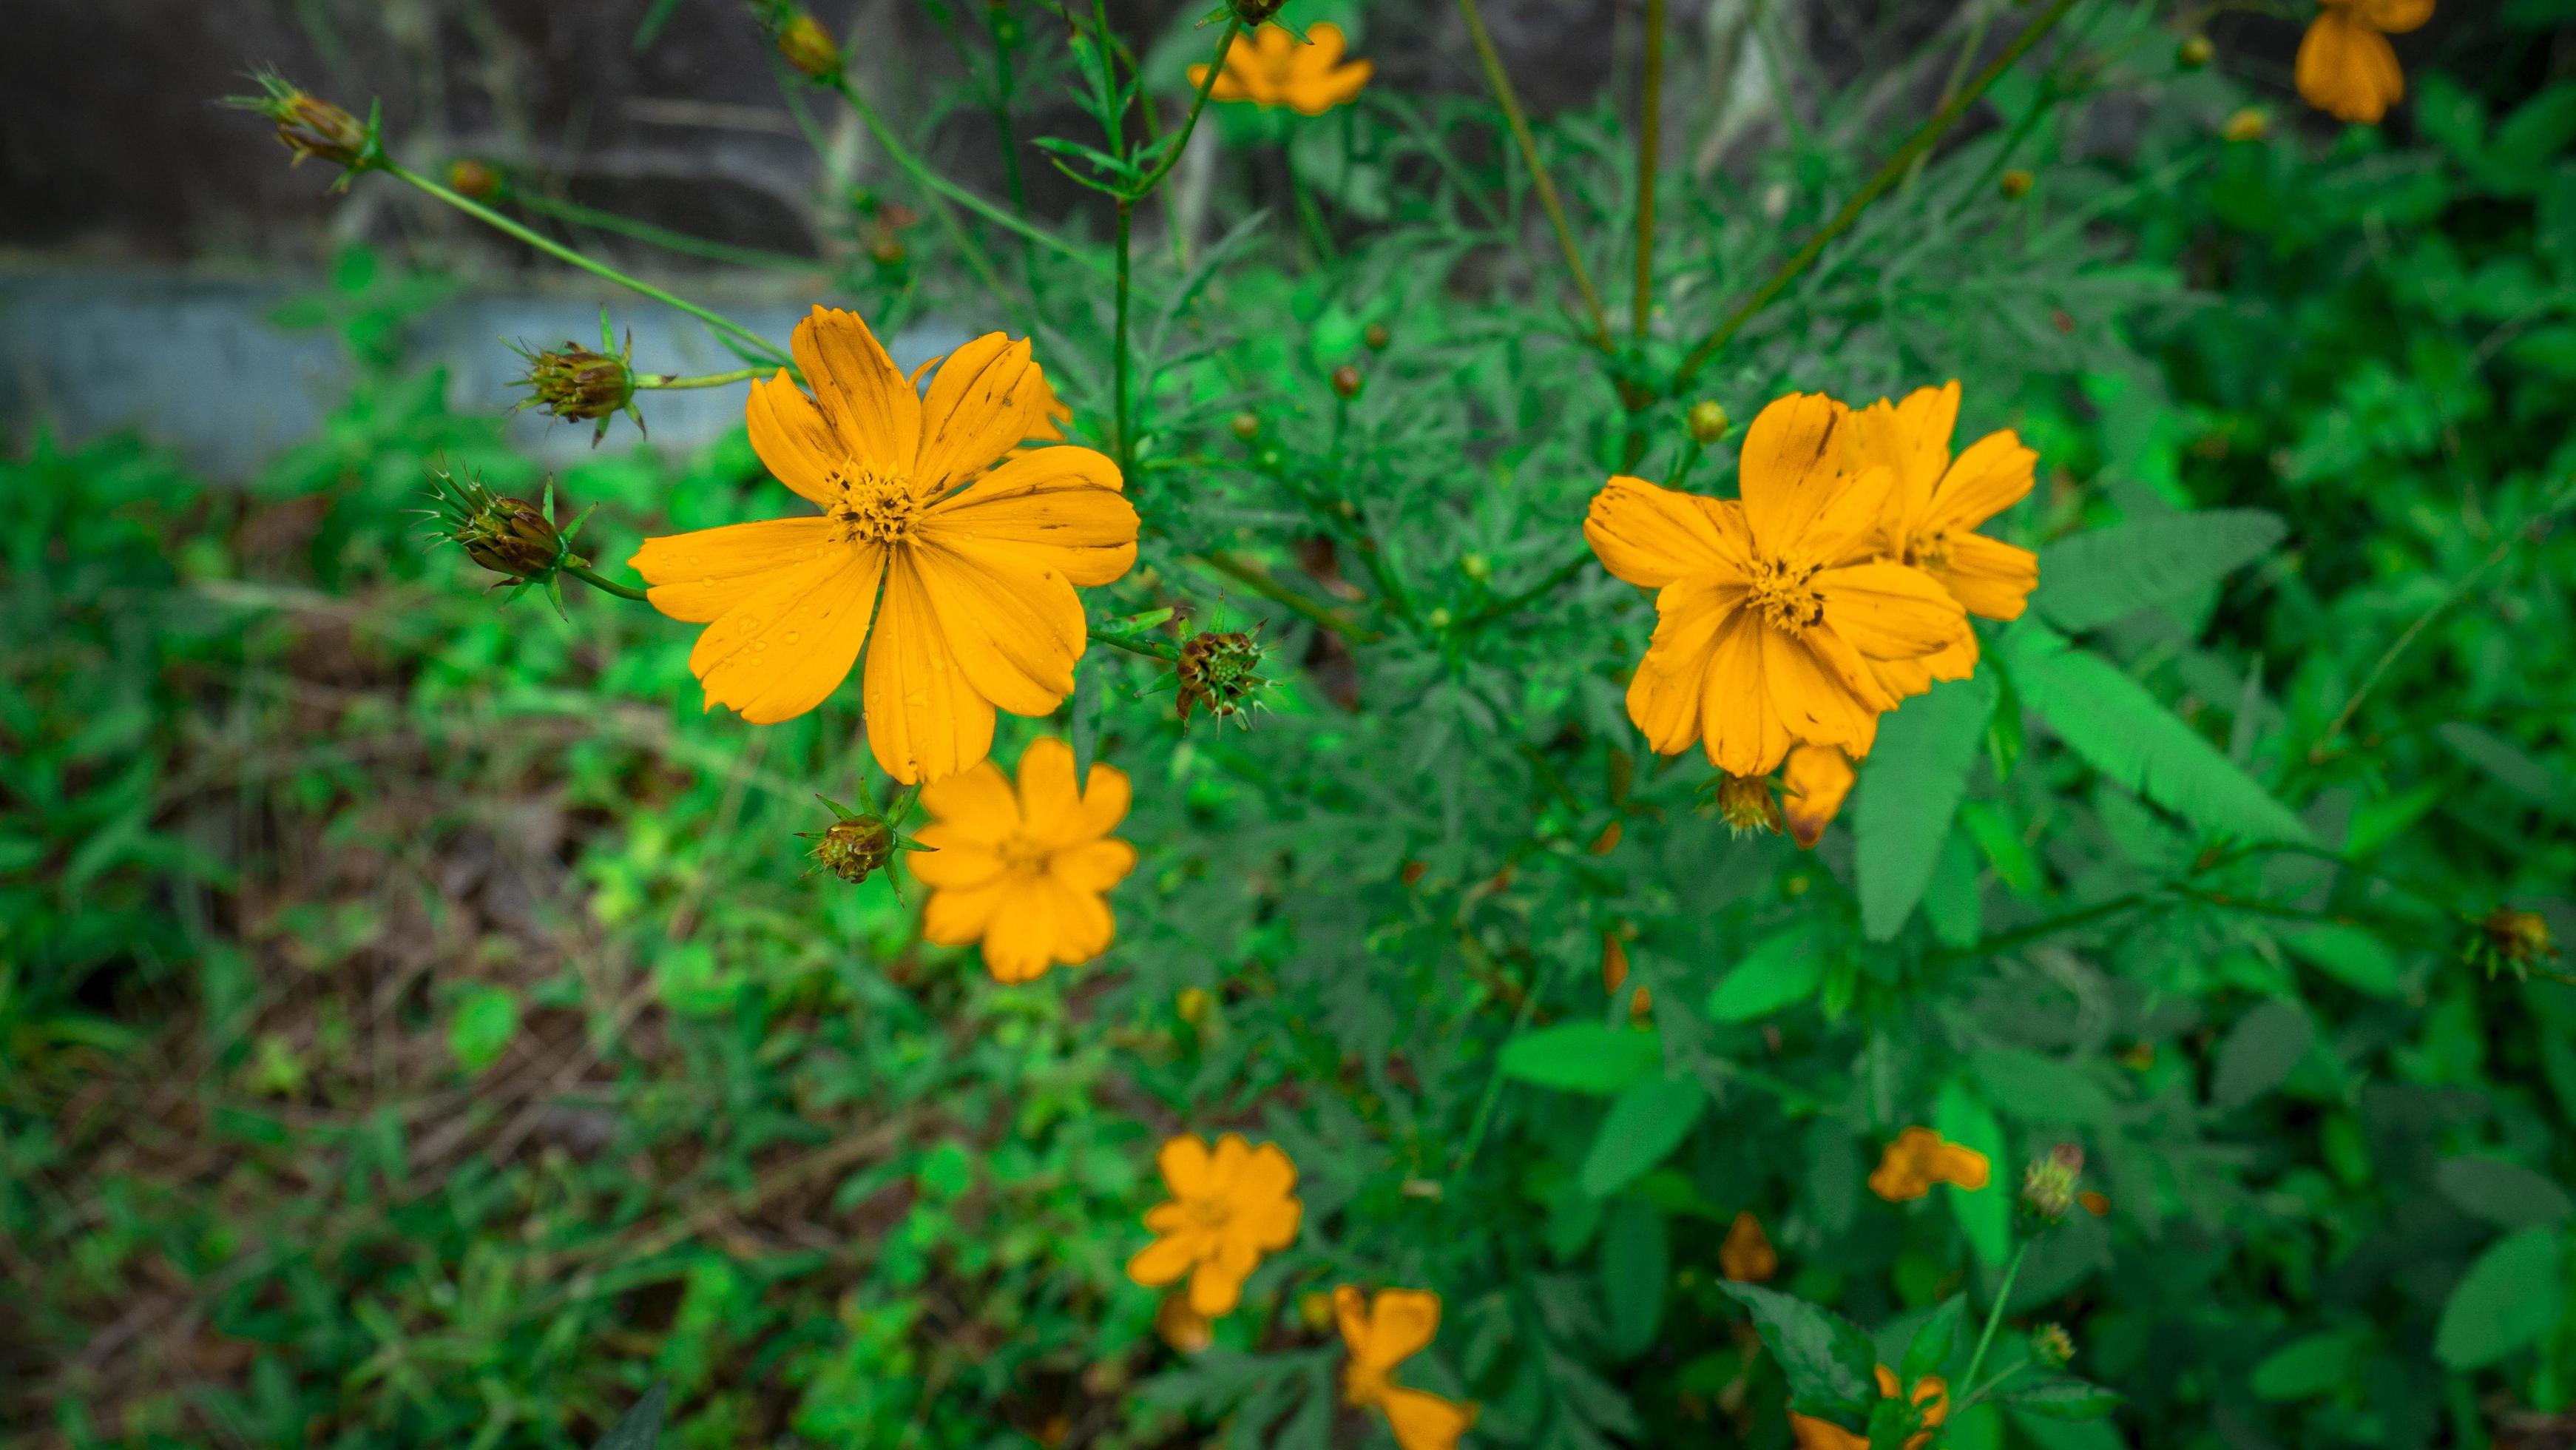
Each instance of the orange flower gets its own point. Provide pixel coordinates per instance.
(1227, 1209)
(1382, 1334)
(1931, 1392)
(1819, 777)
(1933, 517)
(2346, 66)
(1918, 1159)
(1270, 67)
(1024, 873)
(977, 564)
(1769, 611)
(1747, 1256)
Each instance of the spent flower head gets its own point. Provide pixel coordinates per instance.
(308, 126)
(1219, 671)
(1745, 803)
(513, 538)
(578, 385)
(2048, 1185)
(2052, 1346)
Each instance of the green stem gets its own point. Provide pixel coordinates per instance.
(562, 253)
(1190, 123)
(1888, 174)
(1650, 126)
(1494, 1086)
(663, 237)
(1151, 649)
(599, 581)
(700, 380)
(1995, 1316)
(939, 186)
(933, 188)
(1512, 604)
(1257, 579)
(1976, 40)
(1120, 438)
(1501, 83)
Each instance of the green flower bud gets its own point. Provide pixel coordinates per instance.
(1708, 421)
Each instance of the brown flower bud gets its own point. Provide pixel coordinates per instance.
(509, 536)
(577, 384)
(853, 847)
(1376, 336)
(1708, 421)
(1347, 380)
(1254, 12)
(2511, 941)
(307, 125)
(2014, 184)
(1246, 426)
(807, 47)
(472, 179)
(1746, 804)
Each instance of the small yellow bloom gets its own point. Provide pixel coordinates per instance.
(1024, 873)
(1270, 68)
(977, 564)
(1227, 1209)
(1933, 517)
(2346, 66)
(1818, 778)
(1918, 1159)
(1747, 1256)
(1770, 611)
(1931, 1392)
(1383, 1333)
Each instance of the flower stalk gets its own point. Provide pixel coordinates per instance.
(1500, 82)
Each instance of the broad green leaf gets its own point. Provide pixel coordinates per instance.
(1929, 1351)
(2034, 1087)
(1828, 1361)
(2090, 580)
(487, 1018)
(2510, 1297)
(1646, 1122)
(2001, 843)
(1985, 1214)
(2064, 1398)
(2350, 955)
(2503, 1193)
(1636, 1264)
(640, 1428)
(2518, 158)
(2259, 1054)
(2310, 1366)
(1782, 970)
(2120, 730)
(2512, 767)
(1910, 786)
(1584, 1057)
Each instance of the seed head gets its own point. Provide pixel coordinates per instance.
(1746, 804)
(1347, 381)
(307, 125)
(2048, 1184)
(2052, 1346)
(574, 383)
(2510, 940)
(2014, 184)
(1221, 672)
(2194, 52)
(1708, 421)
(472, 179)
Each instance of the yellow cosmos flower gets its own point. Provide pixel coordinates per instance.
(1383, 1333)
(1270, 68)
(1227, 1209)
(1024, 873)
(1818, 779)
(2346, 66)
(977, 564)
(1931, 1392)
(1934, 514)
(1770, 611)
(1918, 1159)
(1747, 1256)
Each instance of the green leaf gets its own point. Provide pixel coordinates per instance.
(2090, 580)
(1584, 1057)
(639, 1428)
(1636, 1264)
(2120, 730)
(2310, 1366)
(487, 1018)
(1829, 1363)
(2506, 1194)
(2510, 1297)
(2514, 768)
(1929, 1351)
(2064, 1398)
(1985, 1214)
(1910, 786)
(2350, 955)
(2518, 159)
(1084, 734)
(1646, 1122)
(2259, 1054)
(1999, 840)
(1782, 970)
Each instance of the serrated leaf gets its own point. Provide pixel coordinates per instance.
(1829, 1363)
(2065, 1398)
(2510, 1297)
(2260, 1052)
(1910, 785)
(1929, 1351)
(2090, 580)
(639, 1428)
(1584, 1057)
(2120, 730)
(1644, 1125)
(1782, 970)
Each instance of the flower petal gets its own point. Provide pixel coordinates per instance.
(1019, 943)
(953, 863)
(872, 407)
(1422, 1420)
(974, 805)
(1060, 506)
(983, 400)
(1813, 701)
(1084, 926)
(959, 916)
(1664, 696)
(1093, 866)
(1048, 801)
(1818, 778)
(1745, 734)
(794, 442)
(2393, 17)
(1271, 1227)
(2347, 69)
(1852, 525)
(1184, 1161)
(1015, 627)
(1163, 1261)
(1992, 475)
(1401, 1324)
(698, 576)
(789, 644)
(1988, 576)
(925, 721)
(1314, 95)
(1651, 536)
(1795, 454)
(1215, 1288)
(1890, 611)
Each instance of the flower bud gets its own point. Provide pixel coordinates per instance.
(1476, 567)
(1254, 12)
(1708, 421)
(1220, 672)
(509, 536)
(2048, 1184)
(2510, 940)
(853, 847)
(2014, 184)
(1439, 617)
(310, 126)
(2052, 1346)
(1192, 1003)
(1607, 841)
(807, 47)
(2250, 124)
(1614, 962)
(1246, 426)
(1376, 336)
(577, 384)
(1347, 380)
(2194, 52)
(472, 179)
(1185, 1329)
(1746, 804)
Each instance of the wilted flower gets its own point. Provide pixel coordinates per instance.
(1382, 1333)
(1228, 1208)
(2052, 1346)
(1747, 1256)
(310, 126)
(578, 385)
(1746, 804)
(2346, 67)
(1818, 778)
(1271, 67)
(1919, 1159)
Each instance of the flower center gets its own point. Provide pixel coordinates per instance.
(1931, 550)
(1210, 1214)
(1022, 855)
(1784, 595)
(872, 510)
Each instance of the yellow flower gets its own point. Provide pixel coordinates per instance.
(1918, 1159)
(1383, 1333)
(1747, 1256)
(1227, 1209)
(1818, 778)
(1931, 1392)
(1024, 873)
(1934, 513)
(1770, 610)
(1270, 68)
(2346, 66)
(977, 565)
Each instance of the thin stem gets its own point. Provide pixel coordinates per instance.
(562, 253)
(1119, 436)
(1650, 126)
(1995, 1316)
(1151, 649)
(1888, 174)
(940, 186)
(599, 581)
(1968, 49)
(1501, 84)
(934, 189)
(1190, 123)
(663, 237)
(1257, 579)
(2064, 921)
(700, 380)
(1494, 1085)
(1512, 604)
